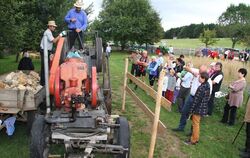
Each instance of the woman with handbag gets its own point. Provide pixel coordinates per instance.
(235, 97)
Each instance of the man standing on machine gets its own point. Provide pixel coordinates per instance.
(76, 19)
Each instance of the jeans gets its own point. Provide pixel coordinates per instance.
(73, 35)
(211, 104)
(233, 111)
(185, 112)
(183, 93)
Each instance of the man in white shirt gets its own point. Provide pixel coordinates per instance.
(108, 50)
(189, 101)
(171, 49)
(217, 78)
(184, 89)
(47, 35)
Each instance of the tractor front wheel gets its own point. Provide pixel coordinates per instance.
(40, 133)
(123, 136)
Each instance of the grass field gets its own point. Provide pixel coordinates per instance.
(215, 140)
(196, 43)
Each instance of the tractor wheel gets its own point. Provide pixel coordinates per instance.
(65, 50)
(123, 136)
(39, 138)
(99, 54)
(106, 84)
(30, 120)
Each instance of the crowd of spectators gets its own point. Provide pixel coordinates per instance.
(191, 89)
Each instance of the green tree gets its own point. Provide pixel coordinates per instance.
(234, 20)
(208, 37)
(128, 21)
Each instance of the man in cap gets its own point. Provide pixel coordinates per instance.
(50, 40)
(76, 19)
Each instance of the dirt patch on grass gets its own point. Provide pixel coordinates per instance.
(167, 145)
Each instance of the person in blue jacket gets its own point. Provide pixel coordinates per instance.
(152, 70)
(77, 22)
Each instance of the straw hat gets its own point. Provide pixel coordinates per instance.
(78, 4)
(52, 23)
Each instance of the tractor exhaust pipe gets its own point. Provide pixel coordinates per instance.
(46, 71)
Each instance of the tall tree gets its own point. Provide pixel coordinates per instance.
(234, 20)
(208, 37)
(127, 21)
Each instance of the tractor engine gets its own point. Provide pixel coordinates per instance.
(72, 85)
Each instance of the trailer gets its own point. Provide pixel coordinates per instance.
(22, 104)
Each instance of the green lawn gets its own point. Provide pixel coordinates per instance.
(8, 64)
(196, 43)
(215, 138)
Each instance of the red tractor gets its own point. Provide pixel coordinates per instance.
(79, 116)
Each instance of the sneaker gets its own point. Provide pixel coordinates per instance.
(188, 142)
(177, 130)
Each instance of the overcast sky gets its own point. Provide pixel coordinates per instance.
(176, 13)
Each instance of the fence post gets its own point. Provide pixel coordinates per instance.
(124, 85)
(157, 115)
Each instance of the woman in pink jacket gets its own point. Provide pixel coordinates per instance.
(235, 97)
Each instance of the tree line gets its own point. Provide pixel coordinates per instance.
(234, 23)
(193, 31)
(22, 22)
(125, 22)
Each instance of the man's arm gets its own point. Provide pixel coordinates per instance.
(217, 79)
(67, 18)
(85, 22)
(191, 70)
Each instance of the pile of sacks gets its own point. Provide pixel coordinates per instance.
(22, 81)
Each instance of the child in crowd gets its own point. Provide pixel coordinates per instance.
(211, 68)
(152, 70)
(165, 84)
(199, 107)
(171, 85)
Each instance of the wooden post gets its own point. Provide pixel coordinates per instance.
(125, 85)
(157, 115)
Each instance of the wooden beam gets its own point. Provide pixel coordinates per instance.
(157, 115)
(124, 85)
(164, 102)
(145, 108)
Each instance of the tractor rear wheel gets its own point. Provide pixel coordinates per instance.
(40, 133)
(123, 136)
(65, 50)
(98, 54)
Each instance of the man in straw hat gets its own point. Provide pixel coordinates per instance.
(76, 19)
(50, 40)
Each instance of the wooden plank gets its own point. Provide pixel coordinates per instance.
(145, 108)
(164, 102)
(157, 115)
(124, 85)
(12, 98)
(9, 110)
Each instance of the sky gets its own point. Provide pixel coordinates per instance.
(176, 13)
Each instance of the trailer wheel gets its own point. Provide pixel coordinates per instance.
(40, 133)
(123, 136)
